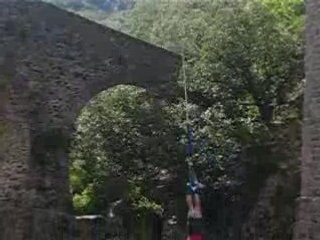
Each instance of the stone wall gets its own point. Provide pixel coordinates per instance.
(308, 214)
(91, 227)
(51, 64)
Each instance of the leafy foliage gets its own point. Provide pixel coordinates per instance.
(244, 69)
(121, 133)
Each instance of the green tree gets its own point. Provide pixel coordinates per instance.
(290, 13)
(122, 132)
(243, 65)
(244, 72)
(244, 62)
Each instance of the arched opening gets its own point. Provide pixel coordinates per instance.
(65, 61)
(120, 154)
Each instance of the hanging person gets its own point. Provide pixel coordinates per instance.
(195, 221)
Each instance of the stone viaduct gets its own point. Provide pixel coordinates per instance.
(51, 64)
(308, 212)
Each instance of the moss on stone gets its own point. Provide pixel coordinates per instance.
(3, 127)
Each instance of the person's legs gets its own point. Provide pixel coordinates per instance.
(190, 204)
(194, 206)
(197, 206)
(192, 197)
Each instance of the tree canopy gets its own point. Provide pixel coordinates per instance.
(244, 62)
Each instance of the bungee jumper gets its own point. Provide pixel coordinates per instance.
(193, 200)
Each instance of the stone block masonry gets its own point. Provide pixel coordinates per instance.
(308, 212)
(52, 63)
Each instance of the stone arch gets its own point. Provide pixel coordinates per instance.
(51, 64)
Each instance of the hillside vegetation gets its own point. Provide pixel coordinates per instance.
(244, 62)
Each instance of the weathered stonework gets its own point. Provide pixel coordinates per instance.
(51, 64)
(308, 213)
